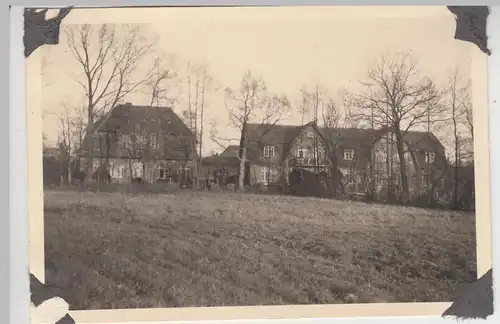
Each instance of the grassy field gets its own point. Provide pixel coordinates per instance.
(110, 250)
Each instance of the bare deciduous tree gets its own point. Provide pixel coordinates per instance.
(109, 62)
(336, 124)
(251, 103)
(72, 132)
(398, 97)
(199, 81)
(332, 121)
(460, 125)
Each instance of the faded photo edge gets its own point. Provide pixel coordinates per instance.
(479, 79)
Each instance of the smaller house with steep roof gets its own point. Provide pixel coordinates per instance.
(151, 143)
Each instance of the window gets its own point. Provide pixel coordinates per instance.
(137, 170)
(140, 139)
(301, 153)
(265, 175)
(348, 154)
(309, 134)
(350, 176)
(380, 180)
(140, 142)
(118, 171)
(153, 139)
(318, 153)
(185, 141)
(430, 157)
(165, 173)
(269, 151)
(124, 141)
(95, 165)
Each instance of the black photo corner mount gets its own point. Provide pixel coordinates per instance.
(39, 31)
(41, 293)
(471, 25)
(474, 300)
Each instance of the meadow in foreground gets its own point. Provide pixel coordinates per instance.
(111, 250)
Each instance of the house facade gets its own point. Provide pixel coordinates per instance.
(363, 156)
(151, 143)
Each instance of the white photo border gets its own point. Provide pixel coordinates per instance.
(17, 235)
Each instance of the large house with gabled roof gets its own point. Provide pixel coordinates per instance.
(273, 151)
(151, 143)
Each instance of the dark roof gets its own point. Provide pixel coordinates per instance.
(264, 134)
(361, 137)
(272, 133)
(219, 160)
(347, 137)
(124, 117)
(351, 137)
(50, 151)
(423, 140)
(230, 151)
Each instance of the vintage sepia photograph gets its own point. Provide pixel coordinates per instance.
(246, 156)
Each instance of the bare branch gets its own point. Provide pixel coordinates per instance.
(397, 97)
(109, 61)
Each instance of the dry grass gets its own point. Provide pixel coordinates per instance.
(111, 250)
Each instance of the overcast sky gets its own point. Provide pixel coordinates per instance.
(288, 47)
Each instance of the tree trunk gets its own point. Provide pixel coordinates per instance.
(337, 187)
(455, 178)
(70, 170)
(418, 172)
(371, 178)
(241, 176)
(130, 169)
(195, 168)
(242, 155)
(405, 190)
(90, 142)
(432, 200)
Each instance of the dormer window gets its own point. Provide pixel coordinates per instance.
(430, 157)
(269, 151)
(309, 134)
(349, 154)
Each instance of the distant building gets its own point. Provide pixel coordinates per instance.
(152, 143)
(273, 151)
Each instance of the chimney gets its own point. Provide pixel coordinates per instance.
(128, 104)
